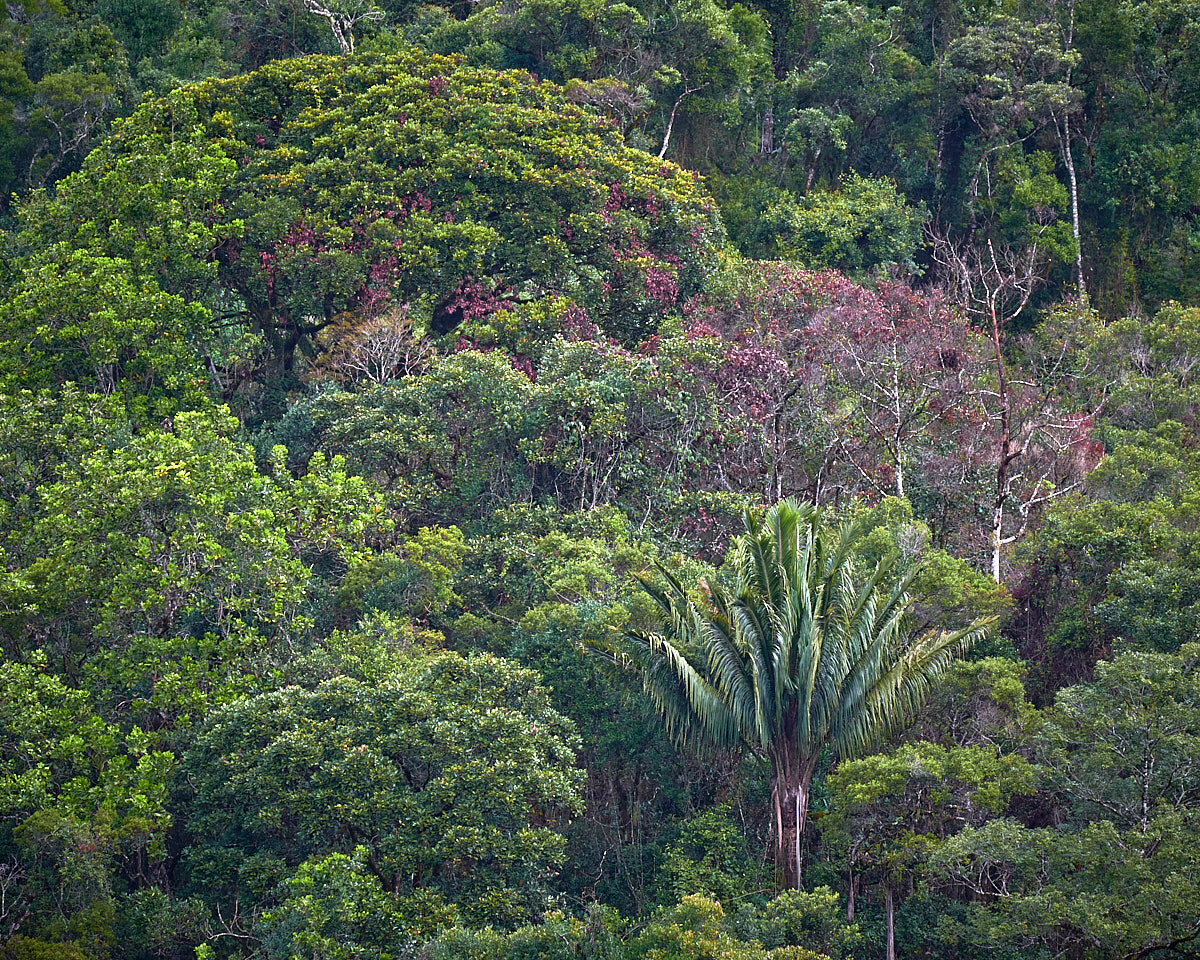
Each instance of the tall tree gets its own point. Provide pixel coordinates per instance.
(802, 654)
(1116, 877)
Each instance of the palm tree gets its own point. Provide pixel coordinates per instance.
(799, 656)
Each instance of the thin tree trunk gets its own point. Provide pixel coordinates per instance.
(766, 144)
(687, 91)
(997, 539)
(1069, 160)
(801, 806)
(812, 171)
(851, 894)
(1065, 137)
(1004, 461)
(889, 908)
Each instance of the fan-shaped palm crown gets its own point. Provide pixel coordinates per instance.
(801, 655)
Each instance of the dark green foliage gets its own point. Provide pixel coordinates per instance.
(812, 920)
(863, 225)
(452, 772)
(78, 795)
(712, 857)
(167, 565)
(1118, 876)
(334, 907)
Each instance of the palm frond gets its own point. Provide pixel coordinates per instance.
(879, 708)
(731, 671)
(692, 709)
(802, 652)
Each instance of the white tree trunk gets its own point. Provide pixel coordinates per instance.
(889, 907)
(997, 539)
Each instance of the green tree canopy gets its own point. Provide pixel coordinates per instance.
(1118, 877)
(323, 193)
(164, 571)
(453, 772)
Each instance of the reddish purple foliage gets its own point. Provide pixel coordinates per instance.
(522, 364)
(661, 286)
(577, 324)
(474, 300)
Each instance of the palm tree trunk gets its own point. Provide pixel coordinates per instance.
(791, 783)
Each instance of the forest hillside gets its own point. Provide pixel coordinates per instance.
(595, 480)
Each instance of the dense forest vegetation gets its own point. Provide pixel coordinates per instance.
(562, 479)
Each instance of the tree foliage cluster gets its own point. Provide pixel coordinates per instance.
(841, 134)
(362, 416)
